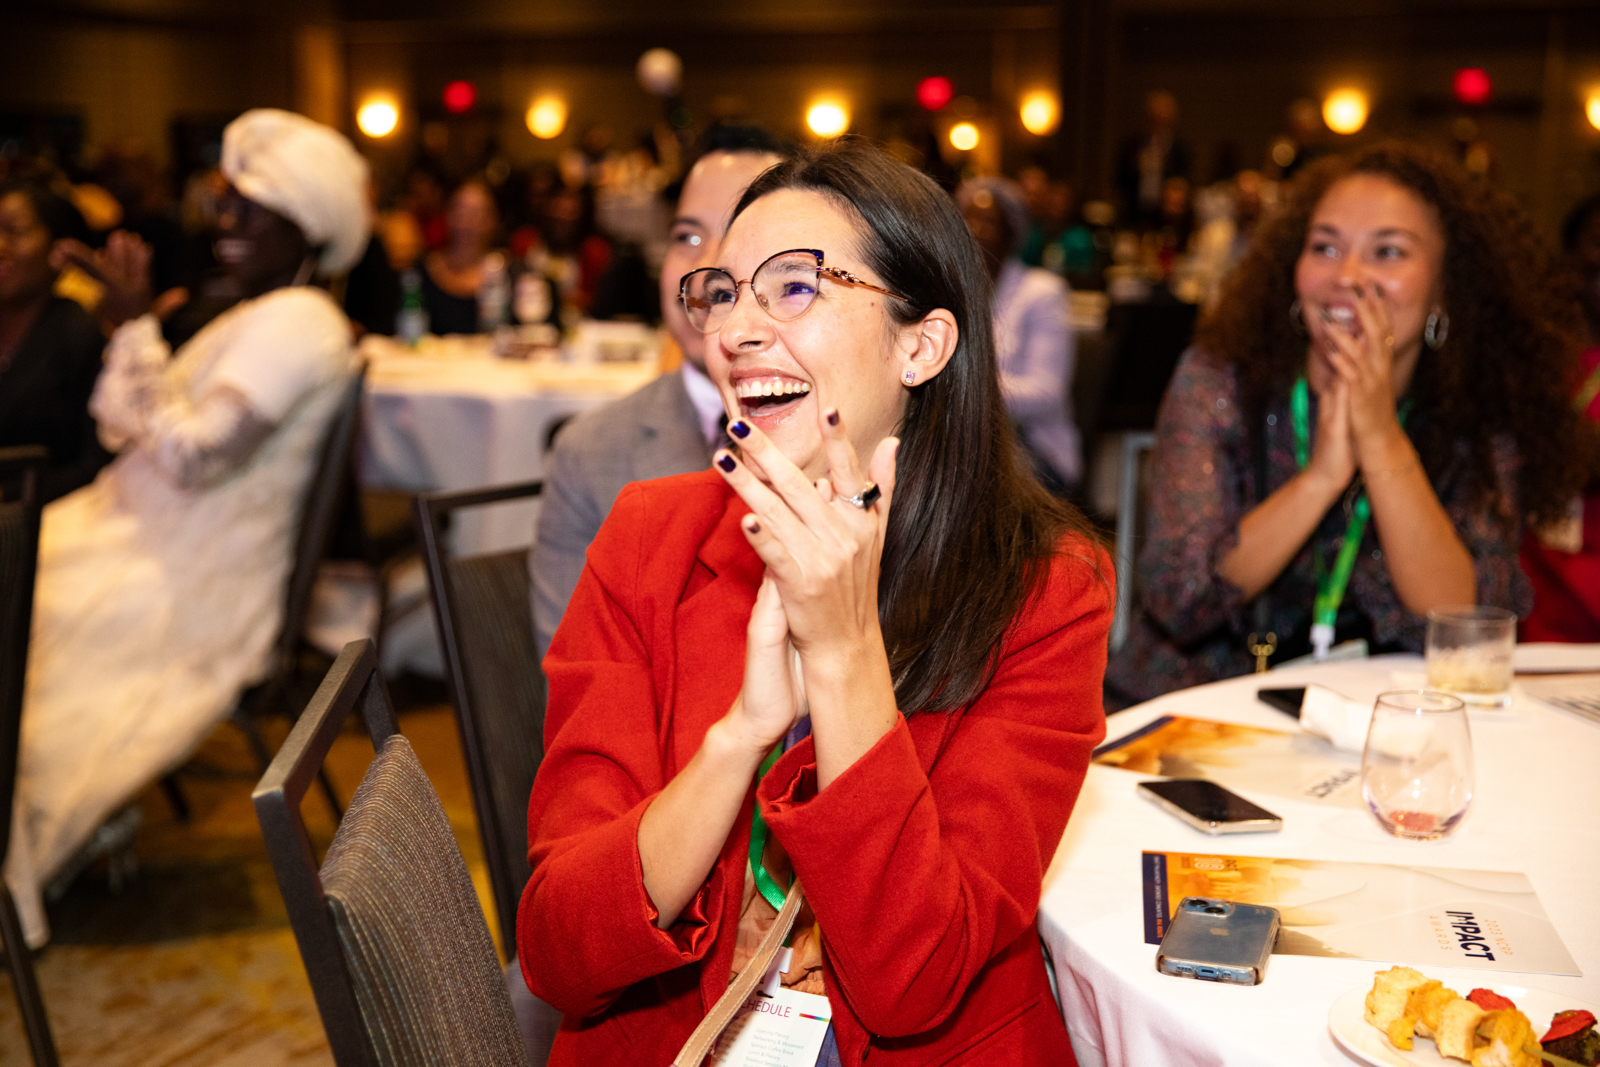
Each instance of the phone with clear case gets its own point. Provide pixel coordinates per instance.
(1218, 941)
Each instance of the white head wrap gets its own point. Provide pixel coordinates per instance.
(306, 172)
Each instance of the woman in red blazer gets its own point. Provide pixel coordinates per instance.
(923, 639)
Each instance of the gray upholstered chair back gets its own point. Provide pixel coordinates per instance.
(492, 663)
(389, 927)
(420, 958)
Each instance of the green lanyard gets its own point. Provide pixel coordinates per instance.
(1331, 584)
(758, 841)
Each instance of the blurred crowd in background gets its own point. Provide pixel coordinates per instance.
(478, 242)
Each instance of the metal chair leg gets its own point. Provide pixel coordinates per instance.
(35, 1020)
(332, 797)
(246, 722)
(175, 797)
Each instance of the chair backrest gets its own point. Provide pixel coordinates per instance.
(1146, 343)
(318, 514)
(492, 663)
(1135, 445)
(19, 560)
(390, 930)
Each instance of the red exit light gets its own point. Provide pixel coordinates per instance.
(934, 93)
(1472, 85)
(459, 97)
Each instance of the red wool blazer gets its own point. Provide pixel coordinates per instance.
(922, 862)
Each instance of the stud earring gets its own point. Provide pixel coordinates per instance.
(911, 377)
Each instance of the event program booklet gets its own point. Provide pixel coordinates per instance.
(1422, 916)
(1281, 762)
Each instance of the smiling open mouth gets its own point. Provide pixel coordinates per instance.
(769, 396)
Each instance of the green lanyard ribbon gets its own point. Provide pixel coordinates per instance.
(765, 883)
(1331, 584)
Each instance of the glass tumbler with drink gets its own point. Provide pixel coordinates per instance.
(1469, 653)
(1416, 770)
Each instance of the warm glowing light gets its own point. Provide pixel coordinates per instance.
(934, 93)
(459, 97)
(1472, 86)
(1345, 110)
(660, 72)
(378, 116)
(827, 118)
(1040, 113)
(547, 117)
(1592, 109)
(964, 136)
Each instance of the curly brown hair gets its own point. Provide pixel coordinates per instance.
(1508, 365)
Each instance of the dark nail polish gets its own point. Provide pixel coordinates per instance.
(754, 527)
(1360, 292)
(833, 417)
(739, 428)
(726, 462)
(1323, 312)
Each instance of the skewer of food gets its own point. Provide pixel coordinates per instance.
(1483, 1028)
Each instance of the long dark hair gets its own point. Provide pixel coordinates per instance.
(972, 532)
(1507, 366)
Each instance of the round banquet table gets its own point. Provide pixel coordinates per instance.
(449, 416)
(1536, 810)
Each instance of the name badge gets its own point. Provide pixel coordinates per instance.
(777, 1027)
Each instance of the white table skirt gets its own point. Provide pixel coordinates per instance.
(1536, 810)
(457, 418)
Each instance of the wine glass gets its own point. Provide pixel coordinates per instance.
(1416, 770)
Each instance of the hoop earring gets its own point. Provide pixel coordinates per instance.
(910, 377)
(1436, 330)
(1296, 319)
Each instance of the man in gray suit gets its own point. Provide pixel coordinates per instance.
(670, 426)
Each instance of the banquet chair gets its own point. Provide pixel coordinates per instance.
(318, 515)
(491, 662)
(1135, 446)
(389, 927)
(19, 557)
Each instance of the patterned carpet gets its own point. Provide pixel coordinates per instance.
(193, 963)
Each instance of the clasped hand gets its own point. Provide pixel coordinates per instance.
(1356, 415)
(818, 603)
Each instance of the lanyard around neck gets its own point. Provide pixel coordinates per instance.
(765, 883)
(1331, 583)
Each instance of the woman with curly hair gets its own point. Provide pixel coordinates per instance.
(1373, 410)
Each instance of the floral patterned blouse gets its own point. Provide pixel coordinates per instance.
(1191, 624)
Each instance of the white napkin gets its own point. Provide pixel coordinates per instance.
(1335, 718)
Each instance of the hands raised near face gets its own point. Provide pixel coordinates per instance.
(123, 267)
(822, 552)
(1364, 367)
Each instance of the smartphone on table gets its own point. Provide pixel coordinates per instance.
(1287, 701)
(1218, 941)
(1208, 807)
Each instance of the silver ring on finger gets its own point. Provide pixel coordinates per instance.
(867, 497)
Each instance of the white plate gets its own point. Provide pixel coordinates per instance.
(1370, 1045)
(1551, 657)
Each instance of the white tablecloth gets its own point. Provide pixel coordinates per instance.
(1536, 810)
(454, 417)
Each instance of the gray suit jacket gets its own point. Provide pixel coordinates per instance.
(651, 433)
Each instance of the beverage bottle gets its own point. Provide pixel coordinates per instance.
(412, 322)
(494, 294)
(535, 297)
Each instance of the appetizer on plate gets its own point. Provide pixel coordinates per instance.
(1572, 1035)
(1483, 1028)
